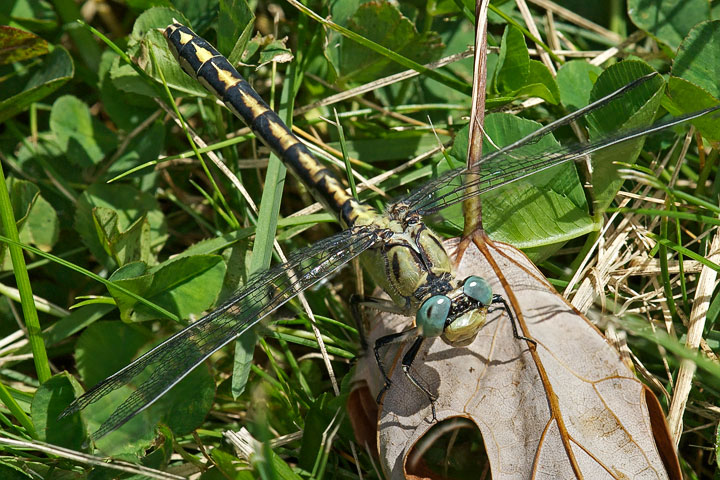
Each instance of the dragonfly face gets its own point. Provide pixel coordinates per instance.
(458, 316)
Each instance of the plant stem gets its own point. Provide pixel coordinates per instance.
(32, 323)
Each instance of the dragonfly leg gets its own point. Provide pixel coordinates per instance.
(384, 342)
(407, 362)
(497, 299)
(357, 302)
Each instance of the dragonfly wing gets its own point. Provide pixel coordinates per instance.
(176, 357)
(491, 172)
(435, 188)
(506, 166)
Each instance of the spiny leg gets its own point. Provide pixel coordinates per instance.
(513, 322)
(407, 362)
(384, 342)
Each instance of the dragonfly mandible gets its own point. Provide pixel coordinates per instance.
(402, 255)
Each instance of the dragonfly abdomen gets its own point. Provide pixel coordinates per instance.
(202, 61)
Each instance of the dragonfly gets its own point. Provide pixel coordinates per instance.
(400, 252)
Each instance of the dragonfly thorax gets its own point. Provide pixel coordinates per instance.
(410, 265)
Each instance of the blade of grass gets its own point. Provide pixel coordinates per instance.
(43, 262)
(525, 31)
(90, 274)
(466, 12)
(218, 208)
(640, 327)
(41, 304)
(707, 169)
(664, 272)
(696, 201)
(293, 337)
(54, 452)
(446, 80)
(265, 235)
(17, 412)
(295, 368)
(210, 148)
(346, 157)
(651, 212)
(124, 57)
(30, 316)
(683, 285)
(665, 242)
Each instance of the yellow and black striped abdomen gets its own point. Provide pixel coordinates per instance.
(202, 61)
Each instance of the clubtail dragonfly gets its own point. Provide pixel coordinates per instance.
(402, 255)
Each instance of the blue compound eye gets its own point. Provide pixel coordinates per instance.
(432, 314)
(478, 289)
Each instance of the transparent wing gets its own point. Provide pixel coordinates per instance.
(173, 359)
(438, 187)
(510, 164)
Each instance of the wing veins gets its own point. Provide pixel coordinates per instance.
(185, 350)
(512, 168)
(427, 189)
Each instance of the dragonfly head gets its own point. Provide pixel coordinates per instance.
(457, 316)
(397, 211)
(401, 212)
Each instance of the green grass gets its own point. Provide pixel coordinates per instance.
(126, 220)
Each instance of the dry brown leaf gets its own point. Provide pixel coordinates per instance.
(569, 409)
